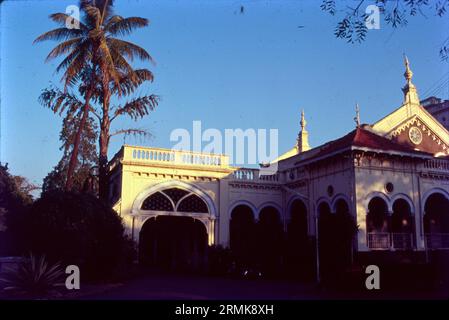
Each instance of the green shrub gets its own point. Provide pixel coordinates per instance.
(34, 276)
(78, 229)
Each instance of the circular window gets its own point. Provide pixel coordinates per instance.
(389, 187)
(330, 191)
(415, 135)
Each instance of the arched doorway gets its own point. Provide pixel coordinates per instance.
(242, 236)
(325, 241)
(298, 253)
(346, 228)
(173, 243)
(402, 226)
(436, 221)
(270, 241)
(174, 236)
(336, 233)
(377, 226)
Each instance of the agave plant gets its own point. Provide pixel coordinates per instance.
(34, 276)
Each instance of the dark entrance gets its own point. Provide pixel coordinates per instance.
(336, 233)
(270, 235)
(299, 257)
(173, 243)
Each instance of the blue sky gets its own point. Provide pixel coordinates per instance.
(229, 70)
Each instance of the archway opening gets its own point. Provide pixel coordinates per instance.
(270, 241)
(336, 233)
(242, 236)
(377, 225)
(325, 241)
(298, 253)
(173, 243)
(346, 228)
(436, 221)
(402, 225)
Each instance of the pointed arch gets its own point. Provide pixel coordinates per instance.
(160, 187)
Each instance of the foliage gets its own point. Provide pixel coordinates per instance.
(34, 276)
(96, 60)
(87, 156)
(14, 200)
(352, 27)
(79, 229)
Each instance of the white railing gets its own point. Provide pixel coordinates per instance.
(175, 157)
(439, 165)
(437, 240)
(248, 174)
(390, 241)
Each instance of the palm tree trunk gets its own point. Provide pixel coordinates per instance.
(103, 164)
(104, 144)
(74, 156)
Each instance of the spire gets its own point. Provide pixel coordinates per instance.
(410, 92)
(303, 121)
(408, 74)
(357, 116)
(302, 143)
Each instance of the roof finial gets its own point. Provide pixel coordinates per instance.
(302, 142)
(408, 74)
(303, 121)
(357, 115)
(409, 90)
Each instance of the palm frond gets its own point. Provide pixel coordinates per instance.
(133, 132)
(129, 49)
(59, 34)
(58, 101)
(62, 18)
(64, 47)
(128, 83)
(118, 26)
(138, 107)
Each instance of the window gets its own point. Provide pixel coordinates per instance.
(175, 199)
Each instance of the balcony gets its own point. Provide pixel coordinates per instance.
(254, 175)
(158, 156)
(437, 165)
(390, 241)
(437, 240)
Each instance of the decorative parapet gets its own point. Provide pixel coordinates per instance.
(254, 175)
(144, 155)
(435, 169)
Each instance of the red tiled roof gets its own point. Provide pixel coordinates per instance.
(364, 139)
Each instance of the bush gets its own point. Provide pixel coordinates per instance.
(34, 276)
(78, 229)
(220, 260)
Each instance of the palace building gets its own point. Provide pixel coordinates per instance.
(391, 178)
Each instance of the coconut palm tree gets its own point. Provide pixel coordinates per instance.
(67, 102)
(95, 49)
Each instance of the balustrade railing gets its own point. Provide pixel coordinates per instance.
(175, 157)
(437, 164)
(437, 240)
(249, 174)
(390, 241)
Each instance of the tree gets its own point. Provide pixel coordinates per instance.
(96, 56)
(14, 201)
(352, 27)
(87, 156)
(77, 228)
